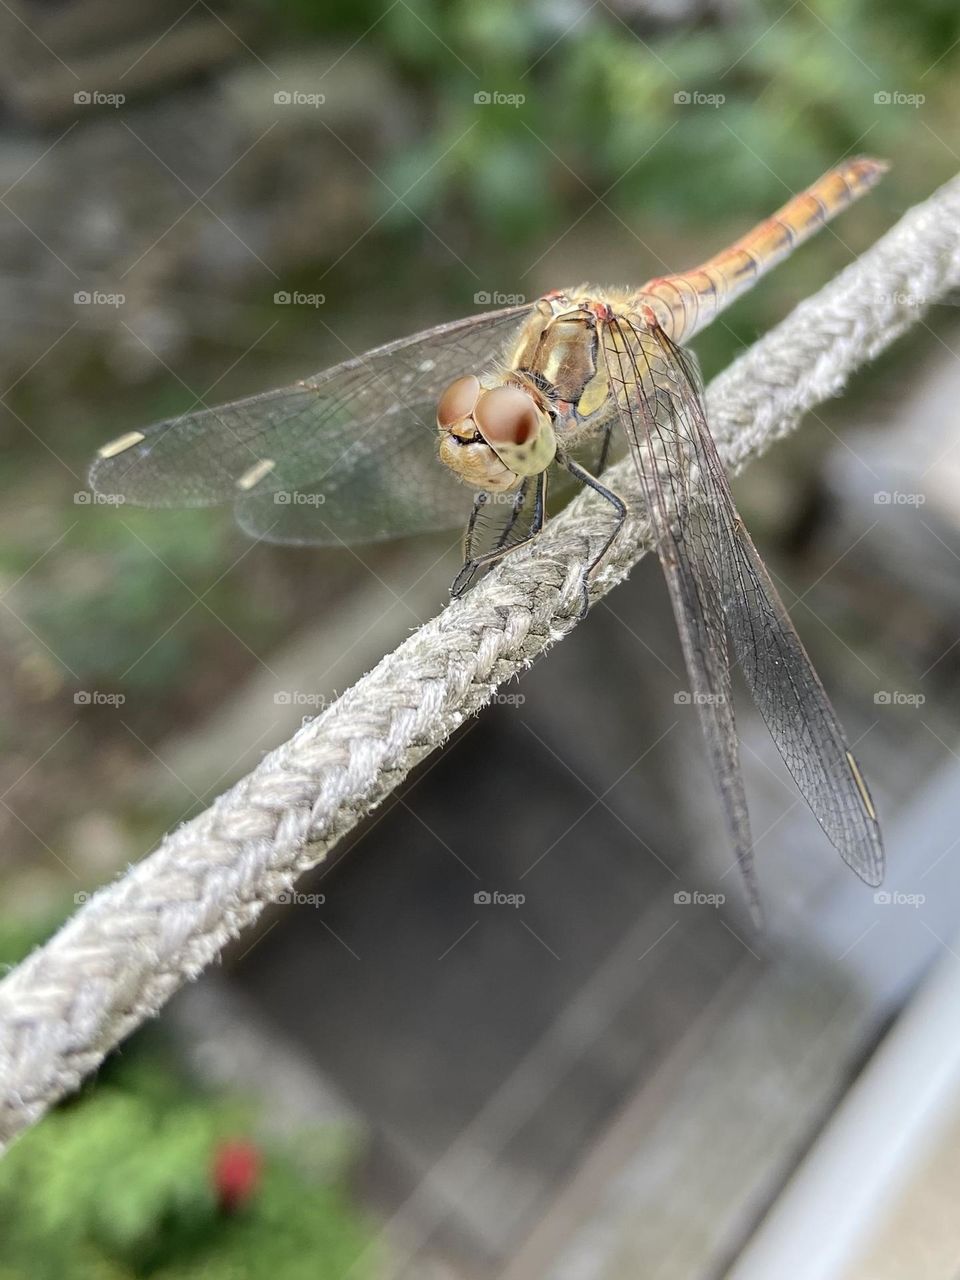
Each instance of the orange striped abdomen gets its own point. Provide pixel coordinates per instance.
(686, 303)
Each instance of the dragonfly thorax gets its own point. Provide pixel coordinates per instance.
(493, 437)
(558, 348)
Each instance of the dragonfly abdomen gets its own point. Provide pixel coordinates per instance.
(686, 303)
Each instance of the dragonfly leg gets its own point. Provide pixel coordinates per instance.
(475, 564)
(479, 502)
(604, 448)
(584, 476)
(519, 498)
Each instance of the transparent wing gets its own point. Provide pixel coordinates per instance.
(366, 495)
(347, 455)
(719, 584)
(690, 564)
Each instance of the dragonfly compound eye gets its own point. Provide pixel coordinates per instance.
(507, 415)
(492, 439)
(517, 429)
(458, 401)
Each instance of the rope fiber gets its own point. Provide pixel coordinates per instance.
(134, 943)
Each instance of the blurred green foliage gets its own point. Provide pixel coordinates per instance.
(600, 138)
(599, 82)
(19, 933)
(119, 1185)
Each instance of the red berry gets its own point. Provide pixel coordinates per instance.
(236, 1172)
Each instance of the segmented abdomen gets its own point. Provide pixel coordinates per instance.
(684, 304)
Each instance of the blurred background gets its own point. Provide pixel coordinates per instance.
(609, 1075)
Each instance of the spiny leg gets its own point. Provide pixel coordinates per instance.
(519, 498)
(473, 565)
(604, 449)
(584, 476)
(479, 502)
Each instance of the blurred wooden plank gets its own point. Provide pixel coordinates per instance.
(676, 1187)
(884, 1173)
(679, 1179)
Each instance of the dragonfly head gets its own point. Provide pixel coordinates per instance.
(494, 437)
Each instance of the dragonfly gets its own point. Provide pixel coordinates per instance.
(466, 422)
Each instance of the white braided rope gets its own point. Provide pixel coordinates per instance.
(128, 949)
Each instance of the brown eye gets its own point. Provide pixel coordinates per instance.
(458, 401)
(507, 415)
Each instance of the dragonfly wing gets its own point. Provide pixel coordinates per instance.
(775, 664)
(641, 387)
(361, 435)
(368, 496)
